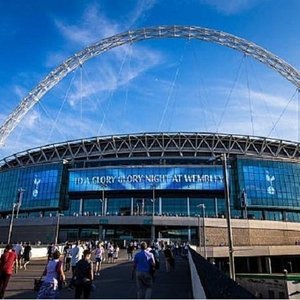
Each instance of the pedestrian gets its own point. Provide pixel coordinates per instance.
(99, 254)
(76, 255)
(7, 262)
(49, 252)
(19, 252)
(84, 276)
(143, 265)
(67, 256)
(170, 262)
(26, 255)
(130, 249)
(110, 253)
(116, 253)
(53, 278)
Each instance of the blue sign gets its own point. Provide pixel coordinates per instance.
(270, 183)
(40, 184)
(146, 178)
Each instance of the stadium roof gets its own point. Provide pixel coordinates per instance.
(155, 145)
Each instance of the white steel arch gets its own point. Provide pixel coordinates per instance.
(172, 31)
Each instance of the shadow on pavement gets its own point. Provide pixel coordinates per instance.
(115, 282)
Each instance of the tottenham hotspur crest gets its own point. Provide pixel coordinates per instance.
(36, 183)
(270, 178)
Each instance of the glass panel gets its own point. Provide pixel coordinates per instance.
(174, 206)
(118, 206)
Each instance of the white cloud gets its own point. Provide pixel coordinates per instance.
(231, 7)
(31, 119)
(140, 10)
(111, 74)
(95, 25)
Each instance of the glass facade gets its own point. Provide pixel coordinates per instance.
(271, 190)
(41, 186)
(270, 183)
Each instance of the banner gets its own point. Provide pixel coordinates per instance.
(146, 178)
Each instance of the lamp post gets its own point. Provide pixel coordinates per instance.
(228, 217)
(19, 201)
(11, 223)
(199, 235)
(17, 205)
(103, 185)
(153, 200)
(57, 227)
(101, 201)
(203, 229)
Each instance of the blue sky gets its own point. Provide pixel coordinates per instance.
(149, 86)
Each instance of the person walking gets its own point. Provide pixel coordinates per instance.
(7, 262)
(169, 258)
(143, 265)
(116, 253)
(110, 253)
(26, 255)
(54, 277)
(130, 249)
(84, 276)
(76, 255)
(99, 254)
(19, 252)
(67, 256)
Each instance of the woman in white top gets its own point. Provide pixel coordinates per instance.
(116, 252)
(54, 276)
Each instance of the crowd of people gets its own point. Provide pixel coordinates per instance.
(13, 259)
(84, 262)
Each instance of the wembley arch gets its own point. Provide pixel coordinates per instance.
(159, 32)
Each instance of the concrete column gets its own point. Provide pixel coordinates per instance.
(131, 206)
(152, 233)
(189, 237)
(80, 207)
(259, 265)
(105, 206)
(159, 205)
(188, 206)
(269, 265)
(216, 207)
(284, 216)
(248, 265)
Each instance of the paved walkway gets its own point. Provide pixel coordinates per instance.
(115, 282)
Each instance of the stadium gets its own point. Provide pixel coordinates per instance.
(193, 187)
(155, 186)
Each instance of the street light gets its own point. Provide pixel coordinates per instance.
(57, 227)
(203, 229)
(153, 200)
(101, 201)
(11, 223)
(228, 217)
(19, 201)
(15, 204)
(199, 235)
(103, 185)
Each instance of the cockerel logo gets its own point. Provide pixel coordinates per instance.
(36, 183)
(270, 178)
